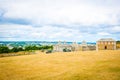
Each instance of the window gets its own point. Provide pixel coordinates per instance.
(112, 42)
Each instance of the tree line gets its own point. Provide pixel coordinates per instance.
(5, 49)
(118, 42)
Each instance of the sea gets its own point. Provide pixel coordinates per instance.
(36, 43)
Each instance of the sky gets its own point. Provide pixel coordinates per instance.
(59, 20)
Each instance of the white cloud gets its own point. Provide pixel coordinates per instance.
(78, 19)
(61, 11)
(23, 32)
(104, 33)
(115, 29)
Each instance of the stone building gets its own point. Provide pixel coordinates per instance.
(73, 47)
(76, 46)
(61, 46)
(106, 44)
(84, 46)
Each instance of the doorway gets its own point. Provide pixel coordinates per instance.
(105, 47)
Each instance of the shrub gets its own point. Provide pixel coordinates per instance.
(48, 51)
(66, 50)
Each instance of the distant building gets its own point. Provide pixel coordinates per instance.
(106, 44)
(76, 46)
(84, 46)
(61, 46)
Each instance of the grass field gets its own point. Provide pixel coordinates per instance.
(86, 65)
(118, 46)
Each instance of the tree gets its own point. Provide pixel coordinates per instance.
(20, 49)
(4, 49)
(118, 42)
(15, 49)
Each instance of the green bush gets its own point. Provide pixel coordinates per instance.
(48, 51)
(66, 50)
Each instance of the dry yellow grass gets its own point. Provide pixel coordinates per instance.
(86, 65)
(118, 46)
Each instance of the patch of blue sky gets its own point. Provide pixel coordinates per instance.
(13, 21)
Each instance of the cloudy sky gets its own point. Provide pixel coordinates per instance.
(53, 20)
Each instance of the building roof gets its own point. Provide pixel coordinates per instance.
(106, 39)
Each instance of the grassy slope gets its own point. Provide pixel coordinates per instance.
(87, 65)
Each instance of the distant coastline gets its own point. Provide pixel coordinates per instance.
(37, 42)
